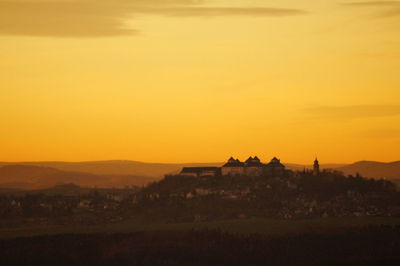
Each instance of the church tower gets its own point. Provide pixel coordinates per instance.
(316, 167)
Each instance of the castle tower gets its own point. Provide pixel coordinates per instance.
(316, 167)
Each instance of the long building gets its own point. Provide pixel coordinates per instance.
(234, 167)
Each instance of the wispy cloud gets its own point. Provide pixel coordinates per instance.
(373, 3)
(387, 9)
(391, 13)
(90, 18)
(381, 133)
(353, 111)
(224, 11)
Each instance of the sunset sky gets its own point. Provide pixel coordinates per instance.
(199, 80)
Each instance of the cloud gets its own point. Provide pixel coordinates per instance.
(392, 8)
(62, 18)
(93, 18)
(222, 11)
(373, 3)
(391, 13)
(381, 133)
(353, 111)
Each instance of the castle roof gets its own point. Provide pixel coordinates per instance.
(253, 161)
(233, 163)
(275, 162)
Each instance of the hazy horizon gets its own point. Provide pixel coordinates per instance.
(267, 159)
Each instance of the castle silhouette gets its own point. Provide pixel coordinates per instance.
(251, 167)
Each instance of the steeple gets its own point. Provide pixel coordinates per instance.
(316, 167)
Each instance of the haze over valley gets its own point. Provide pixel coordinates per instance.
(122, 173)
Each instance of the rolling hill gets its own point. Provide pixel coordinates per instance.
(116, 167)
(300, 167)
(119, 167)
(373, 169)
(37, 177)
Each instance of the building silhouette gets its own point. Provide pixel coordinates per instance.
(234, 167)
(316, 170)
(201, 171)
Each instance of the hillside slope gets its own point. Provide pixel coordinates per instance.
(116, 167)
(155, 171)
(373, 169)
(36, 177)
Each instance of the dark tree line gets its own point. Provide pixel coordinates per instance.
(378, 245)
(290, 195)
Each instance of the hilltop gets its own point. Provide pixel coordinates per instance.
(179, 198)
(288, 195)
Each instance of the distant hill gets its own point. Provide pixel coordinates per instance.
(368, 169)
(155, 170)
(300, 167)
(373, 169)
(116, 167)
(37, 177)
(119, 173)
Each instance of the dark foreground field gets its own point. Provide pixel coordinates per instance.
(370, 246)
(355, 241)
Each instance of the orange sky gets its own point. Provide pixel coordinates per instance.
(199, 80)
